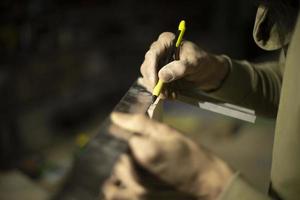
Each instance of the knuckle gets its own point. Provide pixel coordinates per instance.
(156, 48)
(187, 65)
(182, 67)
(187, 44)
(149, 54)
(187, 48)
(178, 69)
(139, 118)
(143, 69)
(166, 36)
(151, 156)
(166, 130)
(154, 45)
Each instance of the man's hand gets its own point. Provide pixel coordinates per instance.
(199, 68)
(173, 158)
(123, 183)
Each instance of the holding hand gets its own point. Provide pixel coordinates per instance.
(197, 67)
(173, 158)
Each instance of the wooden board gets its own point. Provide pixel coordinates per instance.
(96, 162)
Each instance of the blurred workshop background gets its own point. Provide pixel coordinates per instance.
(65, 64)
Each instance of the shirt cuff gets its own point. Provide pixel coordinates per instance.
(238, 189)
(237, 85)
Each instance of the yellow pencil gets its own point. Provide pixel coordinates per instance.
(175, 49)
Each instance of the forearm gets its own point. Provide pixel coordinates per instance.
(256, 86)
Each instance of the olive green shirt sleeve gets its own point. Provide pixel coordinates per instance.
(285, 173)
(255, 86)
(239, 189)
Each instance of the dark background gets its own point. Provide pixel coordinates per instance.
(64, 64)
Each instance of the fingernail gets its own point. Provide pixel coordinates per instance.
(116, 116)
(166, 75)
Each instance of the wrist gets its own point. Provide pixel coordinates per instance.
(212, 181)
(225, 69)
(221, 72)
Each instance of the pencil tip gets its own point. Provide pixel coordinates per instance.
(154, 98)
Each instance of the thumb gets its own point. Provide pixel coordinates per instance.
(174, 70)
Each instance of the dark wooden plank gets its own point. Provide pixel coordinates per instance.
(96, 162)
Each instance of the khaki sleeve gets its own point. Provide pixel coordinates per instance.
(239, 189)
(255, 86)
(285, 173)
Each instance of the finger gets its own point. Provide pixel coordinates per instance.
(157, 50)
(141, 124)
(192, 59)
(146, 84)
(113, 192)
(119, 132)
(164, 42)
(145, 151)
(175, 70)
(137, 123)
(149, 67)
(124, 171)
